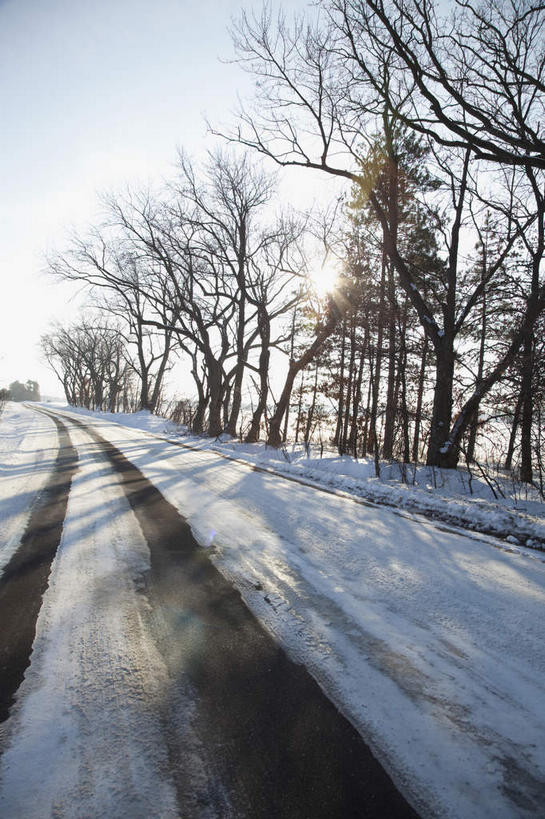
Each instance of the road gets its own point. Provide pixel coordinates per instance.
(152, 689)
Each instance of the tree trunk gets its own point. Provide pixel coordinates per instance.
(231, 426)
(299, 409)
(373, 443)
(365, 434)
(349, 389)
(526, 469)
(356, 401)
(292, 351)
(197, 422)
(144, 369)
(403, 390)
(144, 401)
(159, 377)
(264, 359)
(312, 408)
(225, 404)
(474, 425)
(513, 436)
(236, 393)
(438, 454)
(275, 436)
(393, 221)
(419, 401)
(197, 425)
(215, 387)
(340, 405)
(390, 413)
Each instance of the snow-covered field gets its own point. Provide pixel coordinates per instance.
(431, 641)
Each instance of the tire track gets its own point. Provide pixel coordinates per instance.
(25, 578)
(279, 746)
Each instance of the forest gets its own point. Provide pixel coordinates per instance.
(403, 320)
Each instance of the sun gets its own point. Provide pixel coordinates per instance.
(323, 280)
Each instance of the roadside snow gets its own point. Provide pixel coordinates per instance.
(449, 495)
(28, 449)
(432, 642)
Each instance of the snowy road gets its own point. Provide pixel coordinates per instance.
(84, 733)
(430, 642)
(24, 578)
(28, 448)
(154, 692)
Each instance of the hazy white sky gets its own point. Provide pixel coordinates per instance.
(93, 95)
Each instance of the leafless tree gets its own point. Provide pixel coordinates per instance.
(474, 79)
(204, 270)
(475, 91)
(274, 290)
(89, 361)
(118, 281)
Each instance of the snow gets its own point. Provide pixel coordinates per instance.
(429, 640)
(516, 514)
(85, 737)
(86, 730)
(28, 448)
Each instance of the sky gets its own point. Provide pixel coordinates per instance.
(94, 96)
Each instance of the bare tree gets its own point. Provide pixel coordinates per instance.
(320, 91)
(475, 80)
(200, 269)
(89, 361)
(227, 205)
(119, 281)
(274, 289)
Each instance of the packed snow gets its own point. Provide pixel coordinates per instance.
(430, 640)
(28, 449)
(85, 729)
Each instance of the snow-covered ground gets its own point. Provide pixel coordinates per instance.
(498, 506)
(430, 641)
(85, 738)
(28, 449)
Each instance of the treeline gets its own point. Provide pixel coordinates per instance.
(17, 391)
(4, 397)
(432, 339)
(94, 362)
(199, 271)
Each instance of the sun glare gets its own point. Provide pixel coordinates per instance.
(323, 280)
